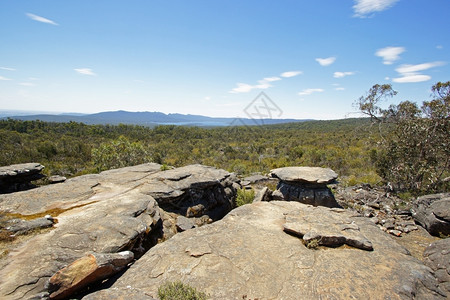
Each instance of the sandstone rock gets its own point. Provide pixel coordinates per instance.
(126, 293)
(105, 213)
(433, 213)
(307, 194)
(85, 271)
(437, 257)
(56, 179)
(255, 178)
(19, 226)
(111, 219)
(18, 177)
(332, 230)
(184, 223)
(179, 189)
(305, 174)
(247, 255)
(263, 194)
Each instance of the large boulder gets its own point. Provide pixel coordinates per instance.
(249, 255)
(433, 213)
(18, 177)
(307, 185)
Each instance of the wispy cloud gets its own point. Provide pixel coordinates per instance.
(390, 54)
(364, 8)
(4, 78)
(340, 89)
(40, 19)
(263, 84)
(85, 71)
(7, 69)
(310, 91)
(411, 73)
(290, 74)
(439, 47)
(342, 74)
(326, 61)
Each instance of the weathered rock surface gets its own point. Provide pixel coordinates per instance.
(305, 174)
(19, 226)
(56, 179)
(247, 255)
(85, 271)
(307, 185)
(18, 177)
(105, 213)
(433, 213)
(437, 257)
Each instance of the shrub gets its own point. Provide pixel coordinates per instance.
(244, 196)
(179, 291)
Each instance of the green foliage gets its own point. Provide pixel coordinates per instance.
(244, 196)
(119, 153)
(72, 149)
(179, 291)
(414, 143)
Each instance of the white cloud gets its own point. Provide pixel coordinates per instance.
(340, 89)
(7, 69)
(290, 74)
(411, 73)
(85, 71)
(270, 79)
(363, 8)
(27, 84)
(390, 54)
(342, 74)
(40, 19)
(207, 98)
(326, 61)
(310, 91)
(263, 84)
(440, 47)
(4, 78)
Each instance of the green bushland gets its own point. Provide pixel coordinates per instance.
(179, 291)
(72, 149)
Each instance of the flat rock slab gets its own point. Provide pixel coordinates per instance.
(305, 174)
(20, 170)
(332, 230)
(247, 255)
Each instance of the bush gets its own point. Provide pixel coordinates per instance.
(179, 291)
(244, 196)
(414, 146)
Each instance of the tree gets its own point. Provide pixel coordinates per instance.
(414, 149)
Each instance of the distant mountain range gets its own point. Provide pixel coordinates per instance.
(147, 119)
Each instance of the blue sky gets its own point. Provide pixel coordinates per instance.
(312, 58)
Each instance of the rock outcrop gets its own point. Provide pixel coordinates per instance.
(248, 255)
(18, 177)
(433, 213)
(437, 257)
(307, 185)
(113, 211)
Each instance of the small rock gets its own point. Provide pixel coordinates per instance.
(395, 232)
(195, 211)
(262, 195)
(184, 223)
(277, 195)
(56, 179)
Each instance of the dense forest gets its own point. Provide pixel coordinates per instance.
(72, 149)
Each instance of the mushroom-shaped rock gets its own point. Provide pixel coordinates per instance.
(307, 185)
